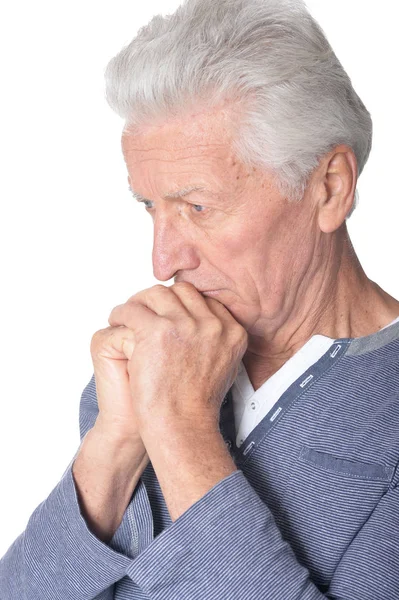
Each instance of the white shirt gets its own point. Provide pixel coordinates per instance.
(251, 406)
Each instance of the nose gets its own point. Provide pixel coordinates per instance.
(173, 250)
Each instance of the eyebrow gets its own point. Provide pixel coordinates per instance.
(173, 194)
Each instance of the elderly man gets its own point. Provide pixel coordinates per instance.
(240, 434)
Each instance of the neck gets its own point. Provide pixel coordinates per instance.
(338, 301)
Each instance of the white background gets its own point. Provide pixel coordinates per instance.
(73, 242)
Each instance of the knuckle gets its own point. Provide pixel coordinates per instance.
(238, 335)
(111, 316)
(98, 337)
(190, 326)
(214, 326)
(184, 285)
(158, 287)
(137, 297)
(241, 332)
(242, 335)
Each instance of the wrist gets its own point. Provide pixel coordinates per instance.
(122, 452)
(181, 438)
(171, 424)
(117, 436)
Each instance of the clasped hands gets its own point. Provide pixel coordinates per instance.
(187, 349)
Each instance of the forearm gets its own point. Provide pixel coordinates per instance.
(61, 554)
(187, 463)
(106, 472)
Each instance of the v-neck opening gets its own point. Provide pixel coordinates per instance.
(336, 351)
(302, 384)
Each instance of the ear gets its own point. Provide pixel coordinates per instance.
(338, 182)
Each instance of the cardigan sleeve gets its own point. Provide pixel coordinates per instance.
(228, 543)
(57, 557)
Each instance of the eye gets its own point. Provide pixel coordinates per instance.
(197, 207)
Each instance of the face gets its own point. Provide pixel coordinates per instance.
(238, 235)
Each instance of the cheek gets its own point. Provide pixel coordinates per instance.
(268, 247)
(271, 255)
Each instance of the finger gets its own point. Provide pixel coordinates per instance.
(194, 302)
(161, 300)
(134, 315)
(201, 306)
(220, 310)
(116, 343)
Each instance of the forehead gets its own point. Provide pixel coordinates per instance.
(196, 149)
(203, 136)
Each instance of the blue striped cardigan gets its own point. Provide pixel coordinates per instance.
(311, 513)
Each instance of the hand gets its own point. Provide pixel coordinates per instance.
(111, 348)
(187, 349)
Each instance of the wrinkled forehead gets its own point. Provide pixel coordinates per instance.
(199, 145)
(201, 148)
(202, 131)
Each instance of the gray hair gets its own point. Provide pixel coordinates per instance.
(270, 58)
